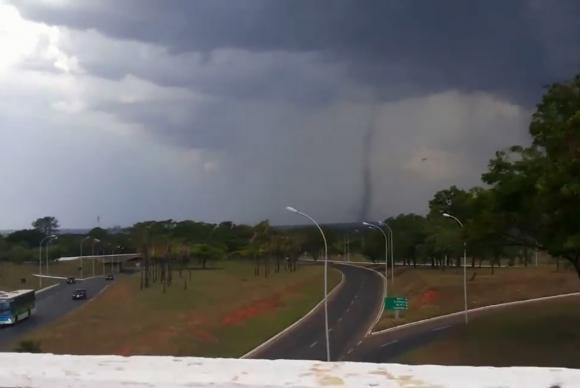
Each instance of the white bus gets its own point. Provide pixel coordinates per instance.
(16, 306)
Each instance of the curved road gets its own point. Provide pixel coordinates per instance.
(352, 311)
(50, 305)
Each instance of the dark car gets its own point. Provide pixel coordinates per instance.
(79, 294)
(109, 277)
(71, 281)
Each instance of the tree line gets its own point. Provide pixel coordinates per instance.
(530, 201)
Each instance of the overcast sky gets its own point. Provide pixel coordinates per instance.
(230, 110)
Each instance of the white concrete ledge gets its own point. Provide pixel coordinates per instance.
(51, 371)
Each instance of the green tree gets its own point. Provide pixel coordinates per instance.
(29, 237)
(444, 238)
(409, 233)
(47, 225)
(537, 188)
(28, 346)
(99, 233)
(453, 200)
(205, 253)
(443, 241)
(374, 247)
(514, 201)
(555, 129)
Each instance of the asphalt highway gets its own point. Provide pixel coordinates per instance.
(352, 311)
(385, 347)
(50, 305)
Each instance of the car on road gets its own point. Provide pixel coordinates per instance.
(79, 294)
(109, 277)
(71, 280)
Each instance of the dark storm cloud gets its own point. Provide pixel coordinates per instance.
(329, 105)
(500, 46)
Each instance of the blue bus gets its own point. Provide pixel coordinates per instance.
(16, 306)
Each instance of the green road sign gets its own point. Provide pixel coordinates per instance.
(396, 303)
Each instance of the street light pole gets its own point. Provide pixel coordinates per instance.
(113, 257)
(40, 259)
(95, 240)
(293, 210)
(464, 266)
(376, 227)
(53, 237)
(82, 260)
(392, 255)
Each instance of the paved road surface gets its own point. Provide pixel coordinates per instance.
(50, 305)
(387, 346)
(352, 310)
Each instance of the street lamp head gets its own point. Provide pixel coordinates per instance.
(53, 237)
(366, 224)
(291, 209)
(96, 240)
(444, 214)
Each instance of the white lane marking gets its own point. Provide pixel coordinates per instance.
(340, 319)
(359, 342)
(441, 328)
(389, 343)
(314, 344)
(348, 309)
(350, 350)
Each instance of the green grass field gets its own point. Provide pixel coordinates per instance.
(540, 334)
(11, 274)
(223, 313)
(434, 292)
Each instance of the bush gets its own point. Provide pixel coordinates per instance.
(19, 253)
(28, 346)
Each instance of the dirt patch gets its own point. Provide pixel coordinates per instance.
(431, 296)
(198, 328)
(259, 307)
(125, 351)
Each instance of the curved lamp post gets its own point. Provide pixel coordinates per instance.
(376, 227)
(40, 258)
(464, 266)
(95, 241)
(82, 259)
(293, 210)
(113, 249)
(53, 237)
(392, 254)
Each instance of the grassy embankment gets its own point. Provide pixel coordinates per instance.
(224, 312)
(540, 334)
(434, 292)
